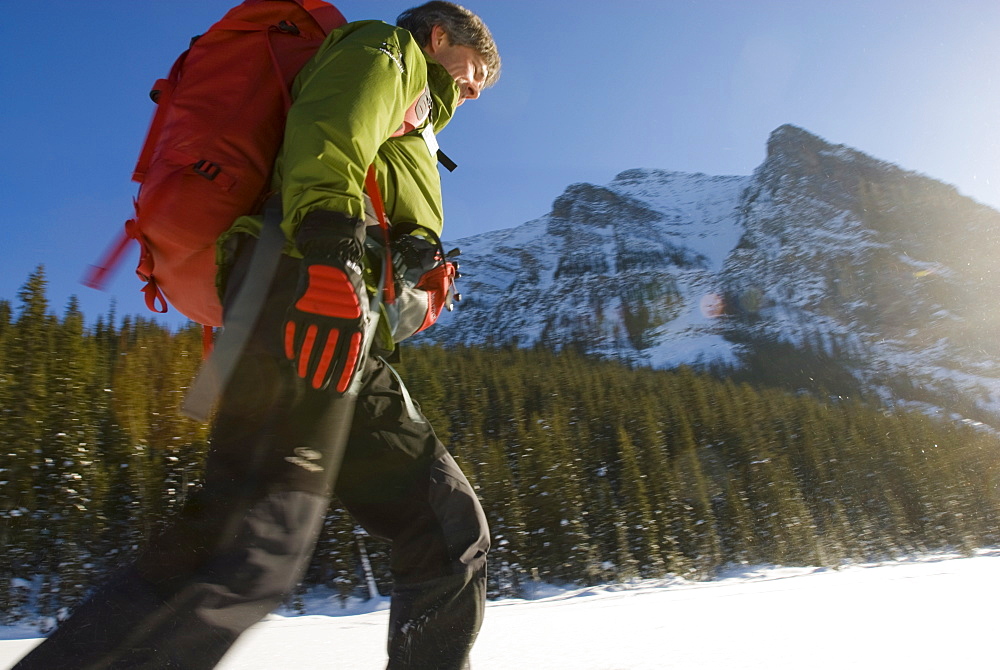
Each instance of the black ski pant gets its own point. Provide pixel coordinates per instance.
(242, 542)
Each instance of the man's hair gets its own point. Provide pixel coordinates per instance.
(462, 27)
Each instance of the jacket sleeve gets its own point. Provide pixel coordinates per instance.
(348, 100)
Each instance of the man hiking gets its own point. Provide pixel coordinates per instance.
(373, 95)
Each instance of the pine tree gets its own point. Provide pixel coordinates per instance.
(334, 563)
(502, 505)
(72, 478)
(663, 501)
(699, 539)
(641, 526)
(24, 501)
(568, 554)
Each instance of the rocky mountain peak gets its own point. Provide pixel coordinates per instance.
(597, 206)
(791, 141)
(883, 272)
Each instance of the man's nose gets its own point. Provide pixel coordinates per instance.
(471, 91)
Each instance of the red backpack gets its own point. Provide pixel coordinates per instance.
(208, 156)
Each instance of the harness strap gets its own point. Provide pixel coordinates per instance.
(241, 318)
(411, 407)
(371, 185)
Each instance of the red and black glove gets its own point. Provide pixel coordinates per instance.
(324, 326)
(420, 260)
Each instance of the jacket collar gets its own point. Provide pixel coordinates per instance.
(444, 92)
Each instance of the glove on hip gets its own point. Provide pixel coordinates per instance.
(324, 326)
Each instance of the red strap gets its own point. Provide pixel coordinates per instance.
(166, 89)
(285, 94)
(207, 341)
(97, 275)
(155, 300)
(371, 185)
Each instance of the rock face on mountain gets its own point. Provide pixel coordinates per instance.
(884, 272)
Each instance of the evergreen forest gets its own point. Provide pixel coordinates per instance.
(589, 471)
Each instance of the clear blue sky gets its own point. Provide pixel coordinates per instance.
(589, 89)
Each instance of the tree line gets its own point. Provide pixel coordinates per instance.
(589, 471)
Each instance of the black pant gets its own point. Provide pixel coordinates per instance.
(243, 541)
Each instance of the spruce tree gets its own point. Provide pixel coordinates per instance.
(662, 494)
(643, 533)
(699, 538)
(501, 501)
(25, 500)
(334, 563)
(72, 476)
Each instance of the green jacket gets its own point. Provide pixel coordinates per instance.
(347, 102)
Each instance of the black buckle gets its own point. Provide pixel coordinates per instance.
(288, 27)
(206, 169)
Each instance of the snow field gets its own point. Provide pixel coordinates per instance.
(918, 613)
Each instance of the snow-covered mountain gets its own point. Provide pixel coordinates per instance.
(823, 249)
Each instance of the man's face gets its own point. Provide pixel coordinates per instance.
(464, 64)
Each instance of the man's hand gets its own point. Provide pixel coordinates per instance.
(324, 326)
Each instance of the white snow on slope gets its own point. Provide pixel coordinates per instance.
(701, 208)
(923, 613)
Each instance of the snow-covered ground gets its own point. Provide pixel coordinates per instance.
(920, 613)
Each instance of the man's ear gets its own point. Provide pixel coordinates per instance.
(439, 38)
